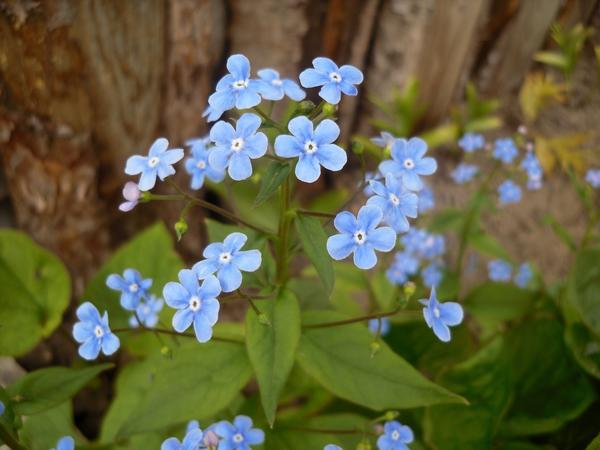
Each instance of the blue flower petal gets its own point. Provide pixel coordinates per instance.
(234, 242)
(308, 168)
(326, 132)
(175, 295)
(310, 78)
(202, 328)
(256, 146)
(87, 312)
(189, 280)
(171, 444)
(324, 65)
(247, 125)
(426, 166)
(345, 222)
(348, 89)
(90, 349)
(383, 239)
(219, 158)
(412, 181)
(205, 268)
(110, 343)
(331, 93)
(230, 278)
(247, 98)
(369, 217)
(182, 319)
(136, 164)
(147, 180)
(451, 313)
(301, 127)
(82, 331)
(211, 287)
(239, 66)
(340, 246)
(254, 436)
(351, 74)
(288, 146)
(222, 133)
(210, 309)
(441, 331)
(248, 261)
(268, 74)
(65, 443)
(331, 156)
(242, 423)
(293, 91)
(240, 167)
(365, 257)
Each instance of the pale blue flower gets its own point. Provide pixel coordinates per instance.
(404, 266)
(426, 199)
(93, 333)
(332, 447)
(471, 142)
(159, 162)
(384, 328)
(509, 192)
(239, 435)
(524, 275)
(313, 148)
(334, 80)
(534, 180)
(147, 312)
(65, 443)
(195, 303)
(198, 167)
(280, 86)
(234, 147)
(132, 287)
(228, 260)
(361, 236)
(384, 140)
(395, 436)
(505, 150)
(441, 316)
(370, 176)
(396, 202)
(408, 162)
(463, 173)
(131, 194)
(530, 163)
(593, 177)
(424, 244)
(432, 274)
(193, 440)
(2, 408)
(499, 270)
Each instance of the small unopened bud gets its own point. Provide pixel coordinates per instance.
(357, 147)
(329, 109)
(522, 129)
(364, 445)
(180, 228)
(165, 350)
(375, 347)
(211, 440)
(306, 106)
(409, 289)
(390, 415)
(145, 196)
(264, 319)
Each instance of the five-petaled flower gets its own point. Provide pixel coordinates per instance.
(471, 142)
(195, 303)
(524, 275)
(234, 147)
(463, 173)
(281, 86)
(381, 325)
(395, 436)
(360, 236)
(198, 167)
(132, 287)
(240, 435)
(593, 177)
(147, 312)
(505, 150)
(228, 259)
(159, 162)
(193, 440)
(408, 162)
(333, 79)
(93, 333)
(396, 202)
(441, 316)
(313, 148)
(131, 194)
(509, 192)
(499, 270)
(65, 443)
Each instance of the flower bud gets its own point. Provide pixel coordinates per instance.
(364, 445)
(329, 109)
(357, 147)
(264, 319)
(305, 107)
(409, 289)
(390, 415)
(211, 440)
(375, 347)
(180, 228)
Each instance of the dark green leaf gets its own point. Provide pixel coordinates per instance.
(314, 242)
(595, 444)
(42, 431)
(275, 174)
(34, 292)
(272, 348)
(585, 347)
(488, 246)
(340, 359)
(584, 288)
(46, 388)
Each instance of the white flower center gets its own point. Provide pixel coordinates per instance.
(336, 77)
(310, 147)
(360, 237)
(133, 287)
(240, 84)
(395, 435)
(153, 162)
(394, 199)
(409, 163)
(225, 258)
(436, 312)
(195, 303)
(98, 331)
(237, 144)
(201, 164)
(238, 437)
(276, 82)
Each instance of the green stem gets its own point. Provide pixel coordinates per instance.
(250, 301)
(594, 219)
(173, 333)
(9, 439)
(285, 222)
(338, 323)
(347, 203)
(268, 121)
(315, 112)
(307, 212)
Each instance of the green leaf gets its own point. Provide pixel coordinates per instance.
(584, 347)
(272, 348)
(42, 431)
(197, 381)
(446, 220)
(488, 246)
(340, 359)
(150, 252)
(486, 383)
(275, 174)
(584, 287)
(314, 241)
(34, 292)
(595, 444)
(560, 231)
(552, 59)
(45, 388)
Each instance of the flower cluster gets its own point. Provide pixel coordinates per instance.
(502, 271)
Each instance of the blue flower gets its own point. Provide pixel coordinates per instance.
(159, 162)
(240, 435)
(426, 199)
(235, 147)
(147, 312)
(195, 303)
(471, 142)
(593, 177)
(93, 333)
(384, 140)
(384, 328)
(404, 266)
(1, 408)
(131, 194)
(463, 173)
(440, 316)
(228, 259)
(193, 440)
(408, 162)
(65, 443)
(280, 86)
(360, 235)
(509, 192)
(370, 176)
(530, 163)
(396, 202)
(236, 89)
(132, 287)
(524, 275)
(198, 167)
(432, 274)
(505, 150)
(332, 447)
(534, 180)
(423, 244)
(395, 436)
(334, 80)
(499, 270)
(313, 148)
